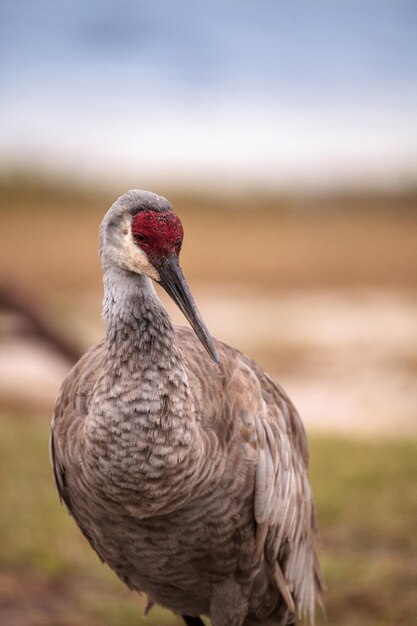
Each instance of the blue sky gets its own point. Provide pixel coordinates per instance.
(314, 92)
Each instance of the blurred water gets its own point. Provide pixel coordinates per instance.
(283, 92)
(310, 47)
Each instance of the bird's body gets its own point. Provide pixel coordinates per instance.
(187, 477)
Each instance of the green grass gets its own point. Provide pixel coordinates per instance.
(367, 504)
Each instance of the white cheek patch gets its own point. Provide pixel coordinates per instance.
(133, 258)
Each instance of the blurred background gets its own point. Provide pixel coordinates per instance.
(285, 135)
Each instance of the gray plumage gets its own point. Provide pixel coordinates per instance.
(188, 478)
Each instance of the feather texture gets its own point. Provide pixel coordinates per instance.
(189, 479)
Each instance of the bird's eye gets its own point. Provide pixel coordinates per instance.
(141, 237)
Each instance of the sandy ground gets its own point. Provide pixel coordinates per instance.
(347, 358)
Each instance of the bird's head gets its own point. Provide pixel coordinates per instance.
(141, 234)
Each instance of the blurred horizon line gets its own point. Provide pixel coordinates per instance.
(66, 180)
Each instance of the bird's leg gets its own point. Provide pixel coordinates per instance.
(192, 621)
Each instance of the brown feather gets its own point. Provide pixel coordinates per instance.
(188, 479)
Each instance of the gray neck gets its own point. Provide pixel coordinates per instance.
(137, 325)
(142, 401)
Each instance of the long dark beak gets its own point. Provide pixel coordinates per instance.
(173, 281)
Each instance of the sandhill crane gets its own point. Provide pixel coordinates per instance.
(182, 462)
